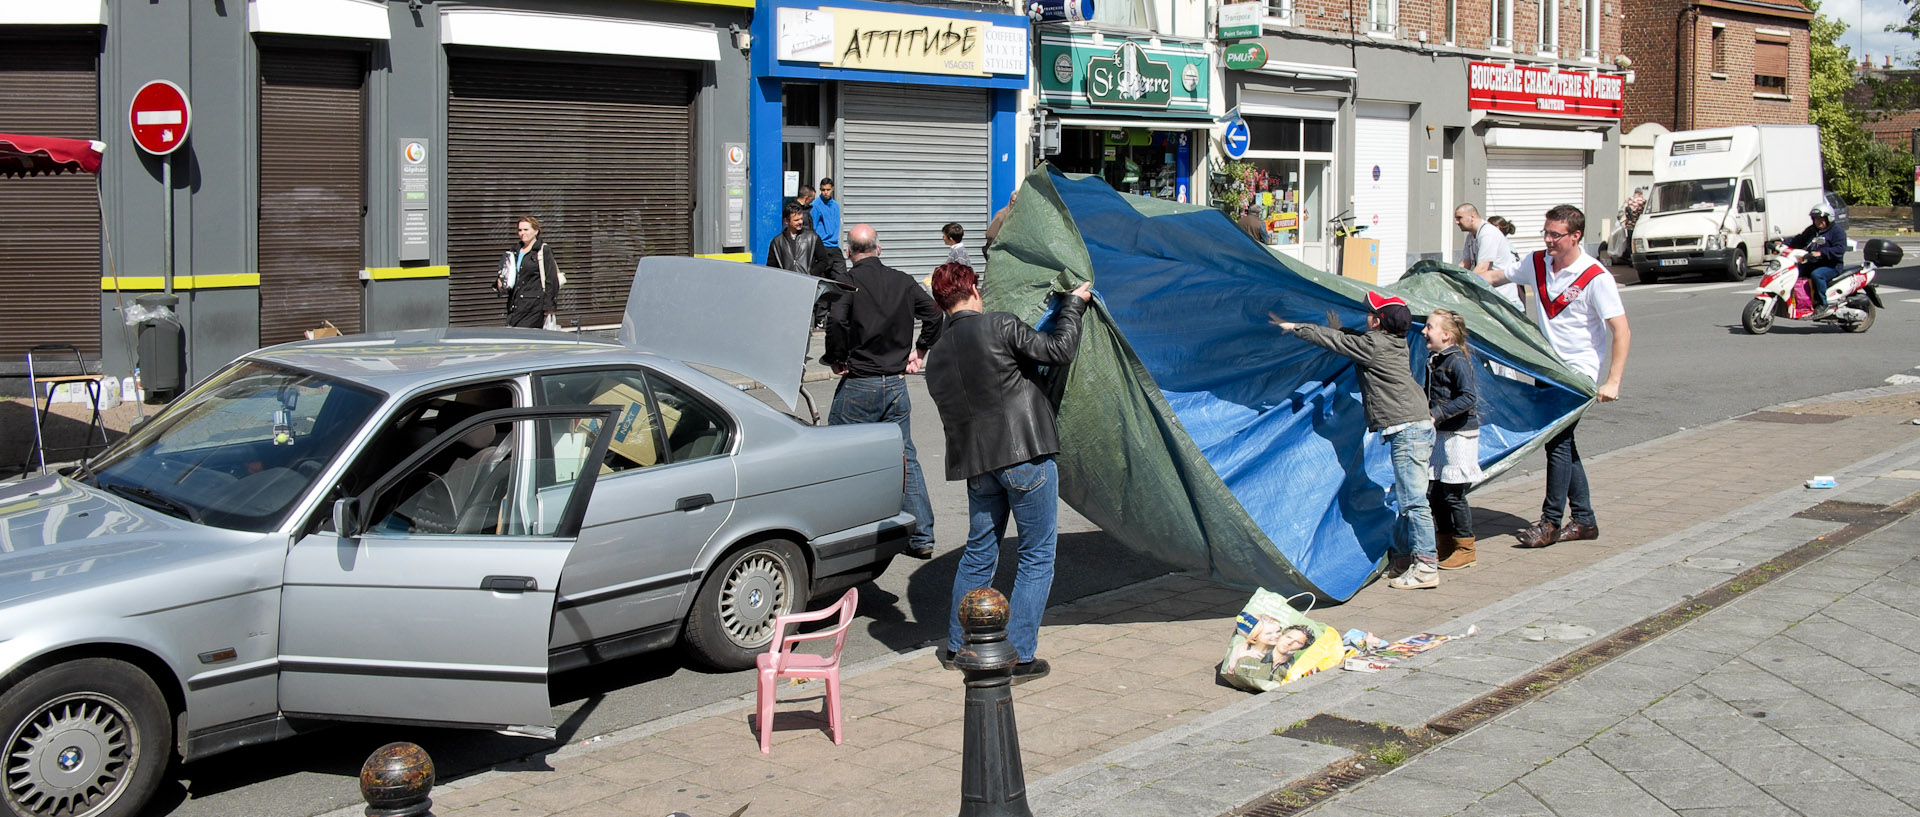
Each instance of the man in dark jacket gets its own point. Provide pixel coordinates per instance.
(799, 249)
(1001, 440)
(870, 344)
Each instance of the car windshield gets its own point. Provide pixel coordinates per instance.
(240, 450)
(1693, 194)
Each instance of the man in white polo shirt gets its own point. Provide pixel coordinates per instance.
(1577, 305)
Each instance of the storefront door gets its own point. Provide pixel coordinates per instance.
(1296, 155)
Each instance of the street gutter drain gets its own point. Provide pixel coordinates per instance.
(1305, 793)
(1371, 741)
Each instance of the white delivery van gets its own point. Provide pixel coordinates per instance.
(1721, 195)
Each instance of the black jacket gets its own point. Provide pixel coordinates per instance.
(800, 252)
(985, 379)
(536, 287)
(870, 329)
(1451, 395)
(1825, 248)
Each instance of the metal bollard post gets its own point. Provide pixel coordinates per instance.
(992, 783)
(396, 780)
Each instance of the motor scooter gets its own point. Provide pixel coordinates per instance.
(1851, 299)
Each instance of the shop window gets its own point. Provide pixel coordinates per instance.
(1549, 42)
(1501, 25)
(1140, 161)
(1380, 16)
(1123, 14)
(1319, 135)
(800, 105)
(1770, 61)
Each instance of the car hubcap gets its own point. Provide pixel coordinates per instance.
(69, 758)
(756, 592)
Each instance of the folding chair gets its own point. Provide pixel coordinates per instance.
(42, 405)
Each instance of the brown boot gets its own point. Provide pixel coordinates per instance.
(1462, 555)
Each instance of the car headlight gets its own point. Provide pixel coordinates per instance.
(1639, 245)
(1716, 242)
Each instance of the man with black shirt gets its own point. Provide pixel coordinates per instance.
(871, 345)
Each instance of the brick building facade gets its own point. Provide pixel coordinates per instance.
(1714, 63)
(1396, 111)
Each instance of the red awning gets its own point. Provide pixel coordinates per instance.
(33, 155)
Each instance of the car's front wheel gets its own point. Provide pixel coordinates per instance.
(87, 738)
(732, 619)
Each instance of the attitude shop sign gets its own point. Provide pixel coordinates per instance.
(1527, 89)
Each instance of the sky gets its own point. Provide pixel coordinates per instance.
(1866, 23)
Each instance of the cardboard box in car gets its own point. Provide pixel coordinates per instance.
(633, 437)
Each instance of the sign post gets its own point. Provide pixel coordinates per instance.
(159, 117)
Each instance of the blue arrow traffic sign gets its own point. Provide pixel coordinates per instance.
(1237, 137)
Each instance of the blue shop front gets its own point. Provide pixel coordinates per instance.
(911, 111)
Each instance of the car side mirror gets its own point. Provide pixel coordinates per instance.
(346, 517)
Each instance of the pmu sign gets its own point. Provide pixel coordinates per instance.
(159, 117)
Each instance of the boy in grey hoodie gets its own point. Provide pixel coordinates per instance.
(1397, 409)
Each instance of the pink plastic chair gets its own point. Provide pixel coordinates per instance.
(780, 661)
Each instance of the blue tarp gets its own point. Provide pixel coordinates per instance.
(1248, 446)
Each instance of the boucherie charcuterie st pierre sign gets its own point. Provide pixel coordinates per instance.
(1528, 89)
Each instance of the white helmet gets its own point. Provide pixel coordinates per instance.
(1821, 210)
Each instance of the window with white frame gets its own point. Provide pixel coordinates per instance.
(1549, 42)
(1380, 16)
(1501, 25)
(1280, 11)
(1590, 29)
(1124, 14)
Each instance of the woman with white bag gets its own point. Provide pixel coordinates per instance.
(530, 279)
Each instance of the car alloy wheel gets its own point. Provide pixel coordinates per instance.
(733, 617)
(93, 745)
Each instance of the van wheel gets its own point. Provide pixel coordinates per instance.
(733, 617)
(87, 738)
(1736, 266)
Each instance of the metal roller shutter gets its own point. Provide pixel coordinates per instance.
(1523, 185)
(601, 154)
(50, 244)
(914, 157)
(1380, 141)
(313, 158)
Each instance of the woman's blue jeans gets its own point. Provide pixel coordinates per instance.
(1030, 492)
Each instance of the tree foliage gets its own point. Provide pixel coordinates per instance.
(1859, 168)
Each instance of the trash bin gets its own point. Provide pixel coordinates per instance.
(161, 359)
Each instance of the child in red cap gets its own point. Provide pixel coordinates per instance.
(1397, 409)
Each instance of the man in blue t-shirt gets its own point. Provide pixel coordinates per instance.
(826, 224)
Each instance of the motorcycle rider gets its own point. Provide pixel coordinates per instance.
(1826, 246)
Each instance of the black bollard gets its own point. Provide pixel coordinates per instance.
(992, 783)
(396, 780)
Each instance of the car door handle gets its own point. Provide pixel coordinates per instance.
(693, 503)
(509, 584)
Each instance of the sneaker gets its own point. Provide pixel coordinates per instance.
(1397, 563)
(1539, 534)
(1422, 576)
(1029, 670)
(945, 657)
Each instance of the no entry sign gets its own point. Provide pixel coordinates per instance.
(159, 117)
